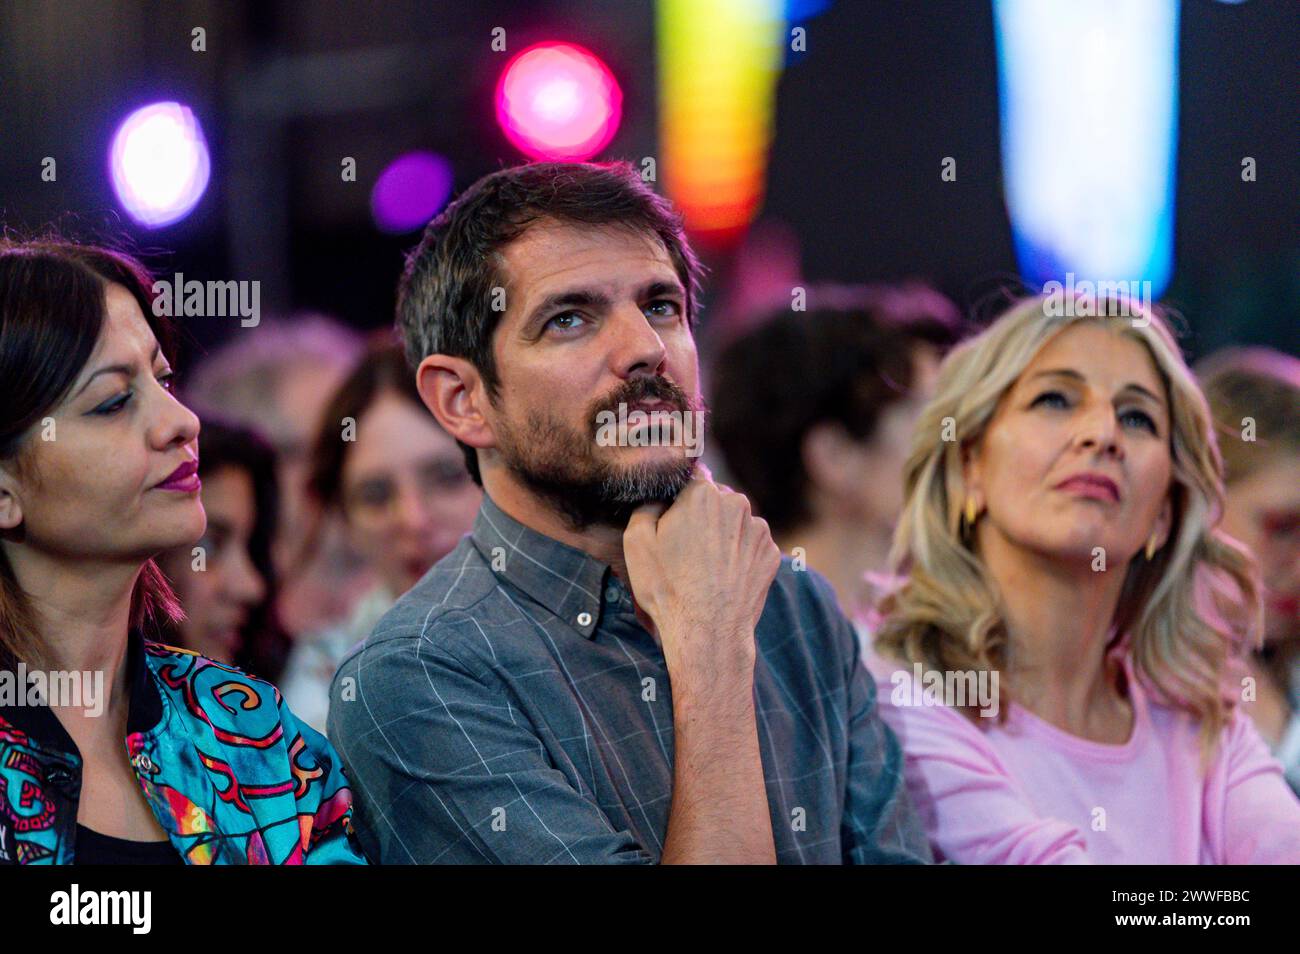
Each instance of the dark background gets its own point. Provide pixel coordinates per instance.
(287, 88)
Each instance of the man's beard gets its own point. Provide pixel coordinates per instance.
(560, 464)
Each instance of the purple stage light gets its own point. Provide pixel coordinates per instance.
(410, 191)
(159, 163)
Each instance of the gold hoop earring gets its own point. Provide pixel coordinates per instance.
(1151, 547)
(971, 512)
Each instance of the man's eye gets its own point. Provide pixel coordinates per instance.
(565, 322)
(1050, 399)
(113, 405)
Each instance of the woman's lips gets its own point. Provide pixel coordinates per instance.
(184, 479)
(1093, 486)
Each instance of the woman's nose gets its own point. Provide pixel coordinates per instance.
(1098, 429)
(175, 424)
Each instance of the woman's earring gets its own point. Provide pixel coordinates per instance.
(1151, 547)
(971, 512)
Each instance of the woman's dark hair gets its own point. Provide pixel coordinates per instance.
(52, 310)
(446, 300)
(264, 644)
(796, 370)
(381, 369)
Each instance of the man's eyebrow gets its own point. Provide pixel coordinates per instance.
(569, 298)
(127, 369)
(658, 288)
(1075, 375)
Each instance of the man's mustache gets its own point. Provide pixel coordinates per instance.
(645, 389)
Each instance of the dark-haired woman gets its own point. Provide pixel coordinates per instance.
(226, 582)
(152, 755)
(384, 463)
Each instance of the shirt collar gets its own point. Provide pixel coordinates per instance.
(565, 580)
(145, 705)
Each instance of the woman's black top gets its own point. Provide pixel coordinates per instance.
(96, 849)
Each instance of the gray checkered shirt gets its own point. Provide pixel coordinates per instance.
(510, 708)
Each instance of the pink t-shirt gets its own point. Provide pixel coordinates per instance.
(1026, 792)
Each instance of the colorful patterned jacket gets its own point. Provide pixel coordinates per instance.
(230, 774)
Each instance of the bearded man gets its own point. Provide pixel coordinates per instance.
(616, 665)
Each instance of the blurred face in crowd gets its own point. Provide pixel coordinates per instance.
(1077, 454)
(95, 484)
(221, 591)
(316, 588)
(874, 468)
(596, 317)
(1263, 512)
(301, 395)
(407, 497)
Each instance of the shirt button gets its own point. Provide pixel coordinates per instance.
(584, 619)
(611, 595)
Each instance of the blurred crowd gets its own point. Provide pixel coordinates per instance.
(312, 536)
(1051, 613)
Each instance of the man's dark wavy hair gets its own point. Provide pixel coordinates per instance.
(445, 297)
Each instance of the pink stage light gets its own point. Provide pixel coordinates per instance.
(558, 101)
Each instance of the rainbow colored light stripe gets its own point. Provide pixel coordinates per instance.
(718, 65)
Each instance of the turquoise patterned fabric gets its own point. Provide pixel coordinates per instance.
(230, 773)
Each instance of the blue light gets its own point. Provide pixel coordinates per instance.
(1089, 106)
(800, 11)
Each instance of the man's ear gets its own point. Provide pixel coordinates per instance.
(455, 393)
(11, 505)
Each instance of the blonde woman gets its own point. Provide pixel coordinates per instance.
(1062, 564)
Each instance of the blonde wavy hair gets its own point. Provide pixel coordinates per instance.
(1186, 613)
